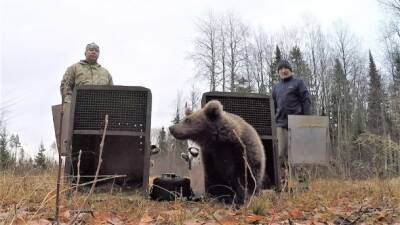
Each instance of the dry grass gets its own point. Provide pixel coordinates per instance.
(333, 198)
(32, 196)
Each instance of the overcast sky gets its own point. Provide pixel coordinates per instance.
(142, 43)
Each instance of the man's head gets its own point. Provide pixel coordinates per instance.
(92, 52)
(284, 69)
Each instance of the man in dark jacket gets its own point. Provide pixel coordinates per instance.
(291, 97)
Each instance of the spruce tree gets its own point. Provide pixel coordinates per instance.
(273, 73)
(162, 140)
(15, 144)
(375, 99)
(337, 91)
(302, 71)
(40, 159)
(299, 65)
(21, 158)
(395, 96)
(177, 117)
(396, 72)
(340, 109)
(5, 156)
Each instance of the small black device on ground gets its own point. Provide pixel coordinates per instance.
(169, 186)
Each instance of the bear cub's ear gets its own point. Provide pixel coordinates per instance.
(188, 112)
(213, 109)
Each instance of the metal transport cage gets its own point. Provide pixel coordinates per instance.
(258, 111)
(126, 151)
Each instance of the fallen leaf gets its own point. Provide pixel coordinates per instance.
(146, 219)
(254, 218)
(160, 219)
(295, 213)
(193, 222)
(224, 217)
(220, 214)
(39, 222)
(381, 216)
(211, 223)
(115, 221)
(320, 217)
(105, 217)
(171, 213)
(319, 223)
(233, 213)
(227, 222)
(202, 214)
(132, 222)
(4, 215)
(65, 216)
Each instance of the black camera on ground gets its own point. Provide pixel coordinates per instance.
(169, 187)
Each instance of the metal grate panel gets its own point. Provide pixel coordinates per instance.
(126, 109)
(255, 110)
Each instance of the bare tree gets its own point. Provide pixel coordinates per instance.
(262, 55)
(248, 69)
(393, 6)
(344, 46)
(205, 54)
(194, 98)
(223, 58)
(286, 39)
(315, 47)
(391, 40)
(345, 51)
(237, 34)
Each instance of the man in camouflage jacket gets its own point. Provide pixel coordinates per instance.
(85, 72)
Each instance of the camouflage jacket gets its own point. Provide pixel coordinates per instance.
(83, 73)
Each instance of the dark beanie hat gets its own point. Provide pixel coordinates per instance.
(284, 64)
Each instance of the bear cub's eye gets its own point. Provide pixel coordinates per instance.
(188, 120)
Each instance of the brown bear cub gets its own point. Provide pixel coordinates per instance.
(222, 153)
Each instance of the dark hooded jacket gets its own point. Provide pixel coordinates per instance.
(291, 97)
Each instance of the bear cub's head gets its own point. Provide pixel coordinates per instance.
(198, 124)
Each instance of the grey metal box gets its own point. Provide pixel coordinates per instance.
(308, 139)
(61, 127)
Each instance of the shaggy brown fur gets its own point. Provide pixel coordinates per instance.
(222, 154)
